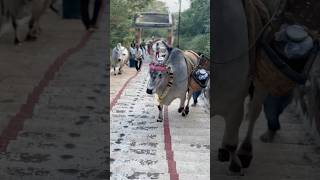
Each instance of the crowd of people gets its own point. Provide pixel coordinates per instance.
(138, 52)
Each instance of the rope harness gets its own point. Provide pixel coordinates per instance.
(165, 92)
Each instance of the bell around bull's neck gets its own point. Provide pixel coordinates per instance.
(165, 86)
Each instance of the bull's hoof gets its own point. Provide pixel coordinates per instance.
(185, 113)
(245, 160)
(234, 167)
(159, 120)
(223, 155)
(31, 38)
(180, 110)
(17, 42)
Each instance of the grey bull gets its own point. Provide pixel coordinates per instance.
(231, 81)
(120, 57)
(170, 80)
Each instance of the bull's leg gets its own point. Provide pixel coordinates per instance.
(160, 117)
(182, 101)
(114, 70)
(255, 106)
(186, 109)
(16, 34)
(30, 35)
(230, 138)
(120, 69)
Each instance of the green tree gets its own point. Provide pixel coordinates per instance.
(195, 27)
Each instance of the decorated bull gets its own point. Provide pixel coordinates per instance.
(120, 57)
(170, 78)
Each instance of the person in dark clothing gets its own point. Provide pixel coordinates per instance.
(133, 44)
(273, 108)
(157, 50)
(143, 45)
(195, 96)
(90, 23)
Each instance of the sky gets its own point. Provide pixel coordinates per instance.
(173, 5)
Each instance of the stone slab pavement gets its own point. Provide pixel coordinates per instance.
(142, 148)
(292, 156)
(22, 67)
(54, 104)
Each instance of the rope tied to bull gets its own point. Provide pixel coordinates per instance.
(169, 85)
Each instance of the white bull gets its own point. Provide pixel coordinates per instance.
(120, 57)
(11, 9)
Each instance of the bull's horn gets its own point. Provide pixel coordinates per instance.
(167, 46)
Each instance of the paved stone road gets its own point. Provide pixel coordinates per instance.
(22, 67)
(65, 137)
(292, 156)
(140, 146)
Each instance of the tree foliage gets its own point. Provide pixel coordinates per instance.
(195, 27)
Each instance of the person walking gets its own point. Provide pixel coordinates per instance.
(90, 23)
(195, 96)
(157, 50)
(133, 44)
(132, 53)
(138, 58)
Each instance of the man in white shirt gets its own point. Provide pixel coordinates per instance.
(138, 57)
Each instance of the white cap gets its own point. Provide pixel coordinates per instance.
(202, 74)
(296, 33)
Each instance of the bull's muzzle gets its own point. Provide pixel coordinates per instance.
(149, 91)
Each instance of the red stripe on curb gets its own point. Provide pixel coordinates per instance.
(168, 147)
(16, 123)
(117, 97)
